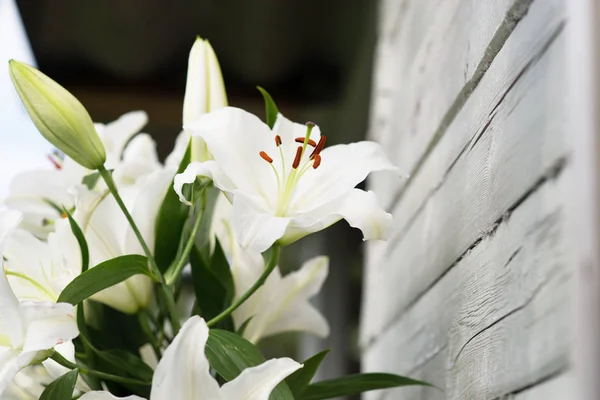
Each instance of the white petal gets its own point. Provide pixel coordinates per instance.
(254, 225)
(183, 372)
(342, 168)
(11, 325)
(217, 97)
(9, 220)
(48, 325)
(285, 303)
(181, 143)
(30, 267)
(235, 138)
(208, 169)
(362, 210)
(11, 362)
(140, 158)
(116, 134)
(98, 395)
(258, 382)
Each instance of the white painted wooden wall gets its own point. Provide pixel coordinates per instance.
(473, 292)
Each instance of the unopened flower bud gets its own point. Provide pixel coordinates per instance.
(58, 115)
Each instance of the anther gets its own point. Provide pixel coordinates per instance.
(298, 156)
(265, 157)
(316, 161)
(277, 140)
(319, 146)
(301, 140)
(54, 162)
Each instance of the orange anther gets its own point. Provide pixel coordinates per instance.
(265, 157)
(277, 140)
(297, 158)
(319, 147)
(316, 161)
(301, 140)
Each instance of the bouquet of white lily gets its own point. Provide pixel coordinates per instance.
(94, 251)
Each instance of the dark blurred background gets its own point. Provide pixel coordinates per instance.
(313, 56)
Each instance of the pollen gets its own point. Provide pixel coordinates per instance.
(316, 161)
(277, 140)
(297, 158)
(301, 140)
(54, 162)
(319, 146)
(265, 157)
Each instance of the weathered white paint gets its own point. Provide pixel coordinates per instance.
(473, 290)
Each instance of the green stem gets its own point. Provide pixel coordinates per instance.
(271, 265)
(143, 318)
(97, 374)
(174, 272)
(169, 299)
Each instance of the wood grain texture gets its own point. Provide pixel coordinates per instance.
(429, 61)
(507, 137)
(495, 323)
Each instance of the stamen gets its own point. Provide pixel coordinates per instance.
(316, 161)
(301, 140)
(54, 162)
(277, 140)
(319, 147)
(265, 157)
(297, 158)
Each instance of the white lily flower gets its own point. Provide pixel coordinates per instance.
(37, 193)
(109, 235)
(27, 329)
(204, 91)
(184, 373)
(282, 303)
(283, 185)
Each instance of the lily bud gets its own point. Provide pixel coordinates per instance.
(58, 115)
(204, 90)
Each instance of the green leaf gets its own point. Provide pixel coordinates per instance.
(83, 246)
(229, 354)
(126, 364)
(213, 284)
(102, 276)
(91, 180)
(355, 384)
(170, 222)
(270, 107)
(62, 388)
(300, 379)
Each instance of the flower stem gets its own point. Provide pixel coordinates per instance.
(271, 265)
(97, 374)
(143, 318)
(169, 299)
(174, 272)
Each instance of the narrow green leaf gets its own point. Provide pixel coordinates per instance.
(83, 246)
(300, 379)
(355, 384)
(229, 354)
(62, 388)
(126, 364)
(270, 107)
(102, 276)
(170, 222)
(91, 180)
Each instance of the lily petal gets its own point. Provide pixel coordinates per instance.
(116, 134)
(255, 227)
(11, 362)
(48, 325)
(258, 382)
(99, 395)
(183, 372)
(235, 138)
(11, 326)
(208, 169)
(342, 168)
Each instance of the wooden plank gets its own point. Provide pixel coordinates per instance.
(584, 202)
(498, 320)
(559, 388)
(427, 64)
(508, 135)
